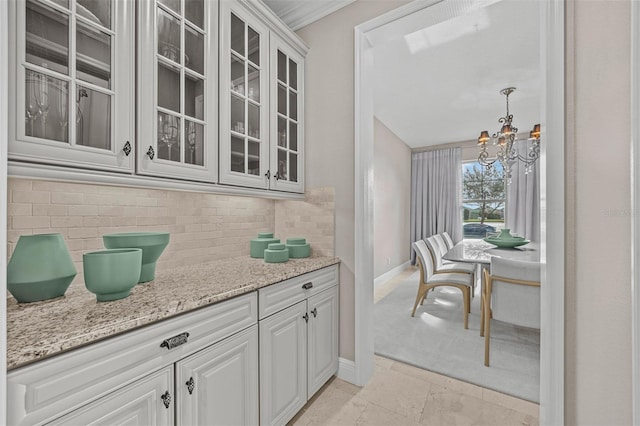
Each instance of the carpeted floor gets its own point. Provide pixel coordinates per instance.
(435, 339)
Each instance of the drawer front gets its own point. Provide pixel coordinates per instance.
(45, 390)
(276, 297)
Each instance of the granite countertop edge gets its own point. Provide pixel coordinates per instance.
(39, 330)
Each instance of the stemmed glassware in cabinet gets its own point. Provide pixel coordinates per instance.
(168, 131)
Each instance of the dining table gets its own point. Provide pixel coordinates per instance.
(480, 252)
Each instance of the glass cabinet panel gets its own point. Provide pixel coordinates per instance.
(57, 94)
(181, 81)
(245, 103)
(287, 152)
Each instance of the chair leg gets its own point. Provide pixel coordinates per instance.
(481, 314)
(465, 295)
(422, 292)
(487, 333)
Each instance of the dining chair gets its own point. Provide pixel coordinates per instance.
(447, 239)
(511, 294)
(430, 280)
(446, 267)
(442, 245)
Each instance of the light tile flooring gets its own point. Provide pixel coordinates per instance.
(400, 394)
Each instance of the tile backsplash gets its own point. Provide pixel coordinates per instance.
(203, 226)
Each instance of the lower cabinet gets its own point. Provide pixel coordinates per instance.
(219, 384)
(145, 402)
(298, 354)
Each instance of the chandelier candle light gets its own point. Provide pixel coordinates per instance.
(505, 139)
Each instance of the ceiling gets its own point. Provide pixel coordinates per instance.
(439, 82)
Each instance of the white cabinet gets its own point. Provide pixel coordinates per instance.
(72, 80)
(322, 340)
(298, 343)
(283, 364)
(261, 101)
(219, 384)
(287, 115)
(177, 103)
(146, 402)
(216, 342)
(244, 97)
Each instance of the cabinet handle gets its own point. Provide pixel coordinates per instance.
(307, 286)
(314, 312)
(276, 176)
(175, 341)
(166, 399)
(306, 317)
(268, 174)
(127, 148)
(190, 385)
(150, 152)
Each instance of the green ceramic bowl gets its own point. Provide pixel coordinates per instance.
(40, 268)
(276, 253)
(507, 242)
(111, 274)
(151, 243)
(260, 244)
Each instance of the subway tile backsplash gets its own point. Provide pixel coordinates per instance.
(203, 226)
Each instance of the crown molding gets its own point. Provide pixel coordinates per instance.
(297, 14)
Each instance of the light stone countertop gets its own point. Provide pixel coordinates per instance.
(43, 329)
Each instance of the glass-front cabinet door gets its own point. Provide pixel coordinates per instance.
(177, 89)
(287, 147)
(244, 98)
(72, 81)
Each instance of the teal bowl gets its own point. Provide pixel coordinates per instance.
(152, 245)
(40, 268)
(111, 274)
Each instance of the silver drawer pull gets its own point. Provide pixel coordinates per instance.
(175, 341)
(307, 286)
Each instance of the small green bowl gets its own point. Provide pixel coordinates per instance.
(151, 243)
(111, 274)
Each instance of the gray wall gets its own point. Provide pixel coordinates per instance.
(391, 200)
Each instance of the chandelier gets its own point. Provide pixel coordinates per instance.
(504, 139)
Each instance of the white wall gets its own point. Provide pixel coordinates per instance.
(391, 200)
(4, 96)
(598, 291)
(329, 133)
(598, 302)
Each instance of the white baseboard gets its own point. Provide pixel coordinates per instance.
(347, 370)
(391, 274)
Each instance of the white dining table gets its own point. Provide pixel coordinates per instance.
(479, 251)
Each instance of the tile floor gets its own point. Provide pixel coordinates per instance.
(400, 394)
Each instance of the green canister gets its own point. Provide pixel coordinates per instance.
(260, 244)
(298, 248)
(276, 253)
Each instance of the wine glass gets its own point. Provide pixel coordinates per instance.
(63, 109)
(191, 139)
(168, 131)
(31, 106)
(42, 99)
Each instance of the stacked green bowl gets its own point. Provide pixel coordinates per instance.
(298, 248)
(260, 244)
(276, 253)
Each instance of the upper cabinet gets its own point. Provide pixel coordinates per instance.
(178, 89)
(191, 90)
(287, 83)
(261, 100)
(73, 83)
(244, 97)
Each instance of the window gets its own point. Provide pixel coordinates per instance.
(483, 199)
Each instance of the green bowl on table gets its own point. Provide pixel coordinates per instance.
(111, 274)
(507, 242)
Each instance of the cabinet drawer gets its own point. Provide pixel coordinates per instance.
(276, 297)
(55, 386)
